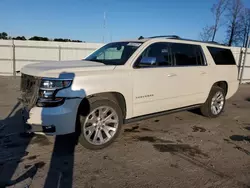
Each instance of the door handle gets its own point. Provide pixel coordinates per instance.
(171, 75)
(203, 72)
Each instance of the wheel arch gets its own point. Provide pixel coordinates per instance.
(222, 84)
(115, 97)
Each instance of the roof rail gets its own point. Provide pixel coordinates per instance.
(161, 36)
(213, 42)
(206, 42)
(166, 36)
(179, 38)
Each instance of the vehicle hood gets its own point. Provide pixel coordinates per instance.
(55, 68)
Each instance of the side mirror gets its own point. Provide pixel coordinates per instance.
(148, 61)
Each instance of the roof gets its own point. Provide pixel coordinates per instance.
(175, 37)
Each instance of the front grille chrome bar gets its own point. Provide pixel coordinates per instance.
(29, 90)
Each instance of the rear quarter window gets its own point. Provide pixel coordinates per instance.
(222, 56)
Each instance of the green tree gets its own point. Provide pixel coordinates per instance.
(19, 38)
(65, 40)
(76, 41)
(37, 38)
(3, 35)
(62, 40)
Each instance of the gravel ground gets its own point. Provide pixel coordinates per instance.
(178, 150)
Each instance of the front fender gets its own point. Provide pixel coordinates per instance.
(86, 86)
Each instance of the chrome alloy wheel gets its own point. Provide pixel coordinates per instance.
(100, 125)
(217, 103)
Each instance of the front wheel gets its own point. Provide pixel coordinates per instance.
(215, 103)
(101, 125)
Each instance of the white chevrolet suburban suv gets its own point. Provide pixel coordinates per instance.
(126, 81)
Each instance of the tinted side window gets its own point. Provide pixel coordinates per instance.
(222, 56)
(187, 54)
(160, 52)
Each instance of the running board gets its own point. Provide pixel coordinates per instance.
(148, 116)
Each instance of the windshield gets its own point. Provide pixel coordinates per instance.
(116, 53)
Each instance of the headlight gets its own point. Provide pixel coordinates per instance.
(48, 90)
(55, 84)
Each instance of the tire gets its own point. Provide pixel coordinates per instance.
(206, 108)
(93, 131)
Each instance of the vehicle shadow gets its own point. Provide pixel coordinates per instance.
(14, 141)
(13, 145)
(247, 128)
(60, 173)
(196, 111)
(61, 168)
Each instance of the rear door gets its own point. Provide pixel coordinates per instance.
(191, 67)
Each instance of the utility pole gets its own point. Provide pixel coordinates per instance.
(14, 57)
(104, 27)
(111, 37)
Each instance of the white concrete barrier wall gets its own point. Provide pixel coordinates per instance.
(239, 54)
(26, 52)
(6, 55)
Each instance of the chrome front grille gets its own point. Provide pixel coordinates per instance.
(29, 90)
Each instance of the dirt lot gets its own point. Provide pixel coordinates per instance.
(177, 150)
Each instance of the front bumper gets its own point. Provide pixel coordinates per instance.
(58, 120)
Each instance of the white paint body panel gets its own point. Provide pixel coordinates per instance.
(62, 117)
(146, 90)
(53, 69)
(172, 88)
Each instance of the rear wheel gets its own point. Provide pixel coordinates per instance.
(101, 125)
(215, 103)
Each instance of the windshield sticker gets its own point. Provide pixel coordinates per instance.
(134, 44)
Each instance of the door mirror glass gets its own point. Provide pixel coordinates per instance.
(148, 61)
